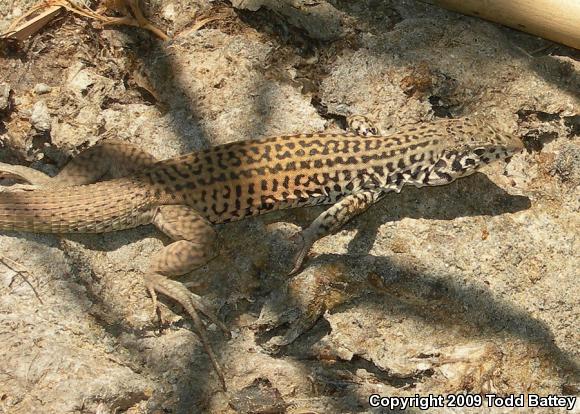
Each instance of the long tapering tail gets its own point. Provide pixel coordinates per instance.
(95, 208)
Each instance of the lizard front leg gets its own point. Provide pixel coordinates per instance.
(194, 246)
(108, 159)
(333, 219)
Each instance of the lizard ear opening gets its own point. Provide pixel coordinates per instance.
(455, 164)
(441, 163)
(441, 172)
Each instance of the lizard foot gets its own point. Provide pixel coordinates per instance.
(192, 303)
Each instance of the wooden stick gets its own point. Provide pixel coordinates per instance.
(557, 20)
(33, 25)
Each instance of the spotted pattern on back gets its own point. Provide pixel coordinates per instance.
(246, 178)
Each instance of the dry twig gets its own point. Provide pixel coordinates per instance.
(19, 270)
(31, 22)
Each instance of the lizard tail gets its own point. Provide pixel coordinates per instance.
(95, 208)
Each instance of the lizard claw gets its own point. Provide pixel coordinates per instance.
(303, 248)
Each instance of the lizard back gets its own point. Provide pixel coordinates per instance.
(245, 178)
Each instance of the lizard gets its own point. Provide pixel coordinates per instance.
(115, 186)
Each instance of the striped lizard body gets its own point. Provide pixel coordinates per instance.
(184, 195)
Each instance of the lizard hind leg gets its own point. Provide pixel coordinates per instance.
(108, 159)
(193, 247)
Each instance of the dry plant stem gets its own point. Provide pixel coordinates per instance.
(143, 22)
(198, 25)
(16, 267)
(54, 6)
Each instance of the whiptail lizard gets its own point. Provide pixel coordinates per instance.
(183, 196)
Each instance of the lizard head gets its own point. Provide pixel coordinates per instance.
(473, 144)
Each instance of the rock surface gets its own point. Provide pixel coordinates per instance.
(471, 287)
(4, 97)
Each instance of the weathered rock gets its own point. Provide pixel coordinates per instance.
(567, 164)
(259, 398)
(319, 19)
(41, 88)
(4, 97)
(40, 117)
(471, 287)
